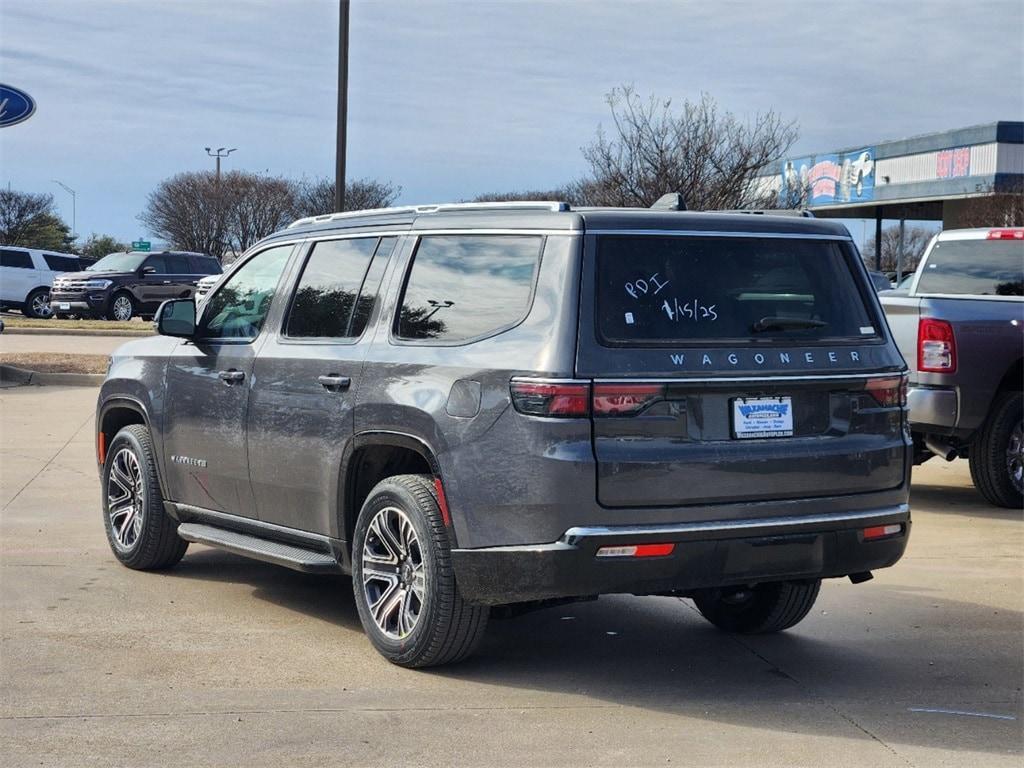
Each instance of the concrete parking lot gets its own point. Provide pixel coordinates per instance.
(225, 661)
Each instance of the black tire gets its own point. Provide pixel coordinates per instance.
(995, 454)
(117, 306)
(33, 303)
(446, 628)
(765, 608)
(153, 542)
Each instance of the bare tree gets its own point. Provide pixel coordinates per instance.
(190, 211)
(256, 206)
(997, 209)
(710, 156)
(567, 194)
(27, 219)
(316, 197)
(915, 240)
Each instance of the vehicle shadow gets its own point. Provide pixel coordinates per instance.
(865, 655)
(944, 499)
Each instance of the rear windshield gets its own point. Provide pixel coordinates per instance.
(678, 290)
(976, 267)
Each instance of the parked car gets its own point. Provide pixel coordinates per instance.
(879, 281)
(204, 285)
(478, 405)
(960, 326)
(26, 275)
(121, 286)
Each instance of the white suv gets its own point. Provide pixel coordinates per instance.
(26, 275)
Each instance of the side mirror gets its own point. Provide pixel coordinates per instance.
(147, 270)
(176, 317)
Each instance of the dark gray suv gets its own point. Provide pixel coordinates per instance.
(471, 406)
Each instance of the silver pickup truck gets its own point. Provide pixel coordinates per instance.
(960, 327)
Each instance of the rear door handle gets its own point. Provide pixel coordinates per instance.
(334, 382)
(231, 376)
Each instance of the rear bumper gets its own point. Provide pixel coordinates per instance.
(708, 554)
(933, 410)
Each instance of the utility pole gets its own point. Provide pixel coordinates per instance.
(219, 154)
(74, 205)
(339, 168)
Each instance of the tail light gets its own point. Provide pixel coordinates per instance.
(564, 399)
(882, 531)
(625, 399)
(637, 550)
(888, 392)
(936, 346)
(1006, 233)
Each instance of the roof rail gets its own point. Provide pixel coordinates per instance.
(533, 205)
(802, 212)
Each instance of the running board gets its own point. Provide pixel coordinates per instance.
(288, 555)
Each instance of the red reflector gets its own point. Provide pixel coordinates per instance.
(888, 392)
(654, 550)
(625, 399)
(936, 346)
(882, 531)
(1007, 233)
(540, 398)
(442, 502)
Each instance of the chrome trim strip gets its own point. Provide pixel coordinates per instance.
(718, 233)
(574, 535)
(714, 379)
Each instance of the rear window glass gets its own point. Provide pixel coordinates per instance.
(673, 290)
(466, 287)
(976, 267)
(12, 258)
(61, 263)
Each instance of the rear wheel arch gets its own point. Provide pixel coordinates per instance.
(1013, 379)
(372, 457)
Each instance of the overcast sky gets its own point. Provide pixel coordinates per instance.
(452, 99)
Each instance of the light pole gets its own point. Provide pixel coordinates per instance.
(339, 168)
(219, 154)
(74, 205)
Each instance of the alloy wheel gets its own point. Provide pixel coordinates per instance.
(122, 308)
(393, 573)
(126, 499)
(1015, 456)
(41, 305)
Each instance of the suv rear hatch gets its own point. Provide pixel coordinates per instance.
(736, 367)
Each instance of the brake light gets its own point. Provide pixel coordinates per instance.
(624, 399)
(1006, 233)
(565, 399)
(936, 346)
(882, 531)
(888, 392)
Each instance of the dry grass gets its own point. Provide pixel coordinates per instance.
(56, 362)
(55, 325)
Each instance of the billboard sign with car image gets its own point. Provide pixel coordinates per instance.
(847, 177)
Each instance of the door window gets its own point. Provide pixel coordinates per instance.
(466, 287)
(239, 307)
(328, 286)
(178, 265)
(17, 259)
(157, 265)
(61, 263)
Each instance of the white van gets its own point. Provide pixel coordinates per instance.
(26, 275)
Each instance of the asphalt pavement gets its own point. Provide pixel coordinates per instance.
(225, 661)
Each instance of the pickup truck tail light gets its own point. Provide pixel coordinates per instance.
(936, 346)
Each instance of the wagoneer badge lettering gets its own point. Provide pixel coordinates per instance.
(735, 359)
(188, 460)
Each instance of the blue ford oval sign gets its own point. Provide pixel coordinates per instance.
(15, 106)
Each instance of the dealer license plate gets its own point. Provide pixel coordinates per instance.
(762, 417)
(64, 305)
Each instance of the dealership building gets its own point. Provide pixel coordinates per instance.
(930, 177)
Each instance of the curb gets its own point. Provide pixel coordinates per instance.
(10, 374)
(57, 331)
